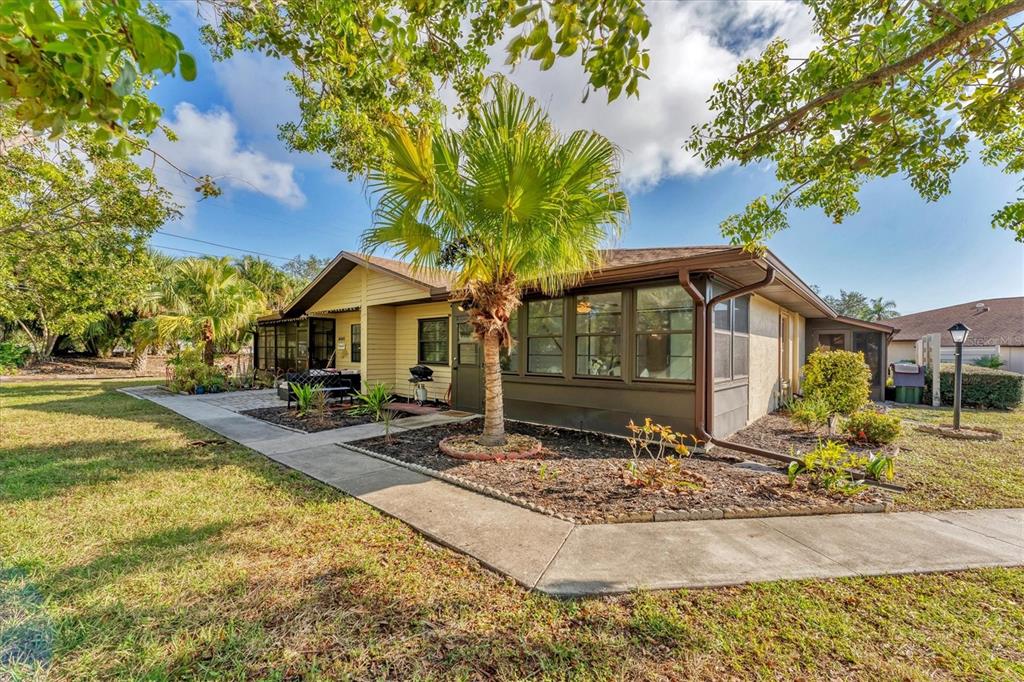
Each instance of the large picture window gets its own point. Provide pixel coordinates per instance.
(599, 334)
(356, 343)
(664, 333)
(510, 356)
(433, 341)
(544, 336)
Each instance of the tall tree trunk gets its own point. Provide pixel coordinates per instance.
(494, 404)
(208, 356)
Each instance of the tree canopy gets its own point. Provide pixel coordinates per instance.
(360, 64)
(857, 305)
(87, 63)
(895, 87)
(75, 219)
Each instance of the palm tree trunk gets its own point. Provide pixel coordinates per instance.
(494, 407)
(208, 355)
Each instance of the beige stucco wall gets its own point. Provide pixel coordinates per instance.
(1013, 356)
(764, 358)
(902, 350)
(407, 350)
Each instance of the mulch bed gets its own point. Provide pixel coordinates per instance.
(580, 475)
(334, 418)
(778, 433)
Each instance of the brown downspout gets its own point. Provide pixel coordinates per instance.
(704, 394)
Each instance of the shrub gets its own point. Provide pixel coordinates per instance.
(809, 412)
(830, 466)
(873, 427)
(990, 361)
(191, 373)
(374, 401)
(305, 394)
(838, 378)
(12, 356)
(982, 387)
(655, 460)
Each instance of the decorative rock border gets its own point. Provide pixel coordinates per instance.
(634, 517)
(450, 447)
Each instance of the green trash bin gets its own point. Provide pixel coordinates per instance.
(910, 395)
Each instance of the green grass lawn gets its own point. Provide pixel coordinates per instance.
(944, 473)
(129, 550)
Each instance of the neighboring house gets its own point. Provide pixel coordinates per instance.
(626, 344)
(997, 328)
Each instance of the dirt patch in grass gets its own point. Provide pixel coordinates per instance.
(333, 418)
(583, 475)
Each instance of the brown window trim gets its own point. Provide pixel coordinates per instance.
(420, 341)
(560, 339)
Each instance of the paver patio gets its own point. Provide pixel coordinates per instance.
(557, 557)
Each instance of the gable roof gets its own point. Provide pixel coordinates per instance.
(993, 322)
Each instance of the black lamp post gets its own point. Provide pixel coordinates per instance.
(959, 332)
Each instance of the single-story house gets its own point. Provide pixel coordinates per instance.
(997, 328)
(628, 343)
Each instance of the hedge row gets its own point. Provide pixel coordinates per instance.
(983, 387)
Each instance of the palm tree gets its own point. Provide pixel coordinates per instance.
(277, 285)
(879, 309)
(204, 300)
(506, 202)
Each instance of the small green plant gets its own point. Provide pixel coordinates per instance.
(318, 405)
(651, 465)
(868, 426)
(545, 472)
(990, 361)
(880, 467)
(374, 401)
(304, 396)
(12, 356)
(830, 466)
(263, 378)
(809, 412)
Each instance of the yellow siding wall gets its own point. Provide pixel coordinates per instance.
(764, 358)
(379, 345)
(348, 293)
(343, 330)
(407, 350)
(381, 288)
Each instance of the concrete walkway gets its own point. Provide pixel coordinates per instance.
(559, 558)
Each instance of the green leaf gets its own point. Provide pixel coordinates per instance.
(187, 64)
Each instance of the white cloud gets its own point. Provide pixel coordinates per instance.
(693, 46)
(208, 144)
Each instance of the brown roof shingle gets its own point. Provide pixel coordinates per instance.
(993, 322)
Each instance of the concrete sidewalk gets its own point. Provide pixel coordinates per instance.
(559, 558)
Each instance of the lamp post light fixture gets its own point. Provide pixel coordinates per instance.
(959, 332)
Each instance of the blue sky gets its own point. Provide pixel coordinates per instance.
(921, 254)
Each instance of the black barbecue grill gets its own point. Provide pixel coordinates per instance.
(419, 375)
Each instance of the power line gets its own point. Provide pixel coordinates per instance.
(224, 246)
(174, 248)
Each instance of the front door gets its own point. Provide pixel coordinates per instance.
(468, 393)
